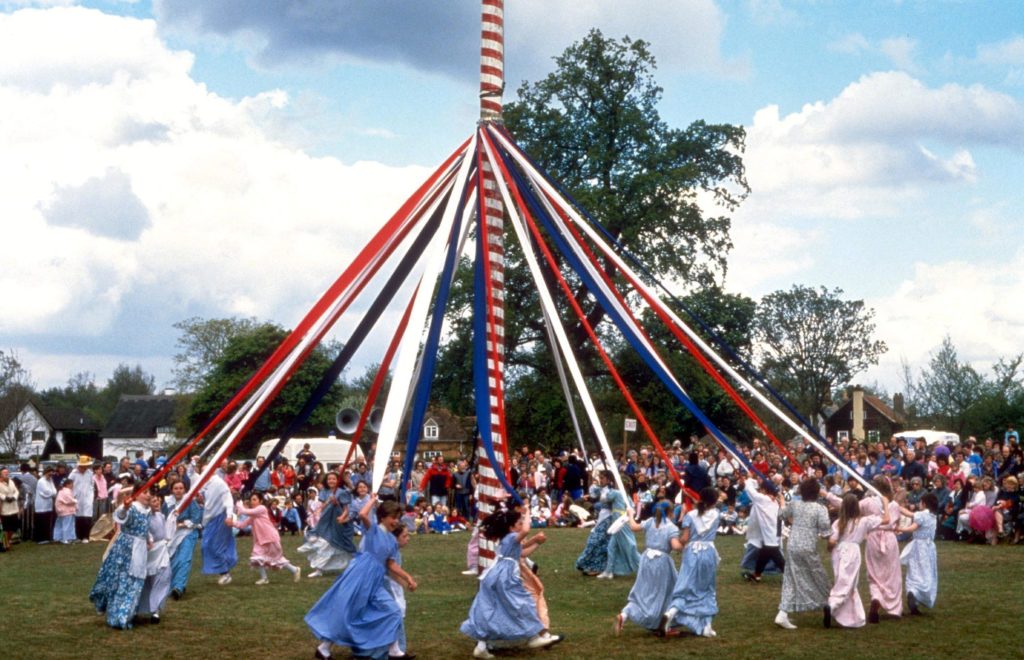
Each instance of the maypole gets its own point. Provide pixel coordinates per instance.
(492, 84)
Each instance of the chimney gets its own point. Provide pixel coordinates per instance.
(897, 404)
(858, 414)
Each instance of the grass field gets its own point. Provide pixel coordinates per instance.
(45, 612)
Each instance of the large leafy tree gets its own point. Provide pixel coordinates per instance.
(242, 356)
(201, 344)
(594, 126)
(812, 341)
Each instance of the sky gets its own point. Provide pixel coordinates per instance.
(166, 159)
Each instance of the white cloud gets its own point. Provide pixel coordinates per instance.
(765, 253)
(900, 51)
(864, 151)
(1009, 52)
(980, 306)
(852, 43)
(238, 221)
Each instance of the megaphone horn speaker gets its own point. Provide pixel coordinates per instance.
(347, 420)
(373, 424)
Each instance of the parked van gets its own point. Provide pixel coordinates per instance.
(329, 451)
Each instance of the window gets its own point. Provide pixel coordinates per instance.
(430, 430)
(843, 435)
(38, 436)
(430, 455)
(873, 436)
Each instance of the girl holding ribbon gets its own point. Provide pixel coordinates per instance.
(651, 594)
(695, 597)
(919, 555)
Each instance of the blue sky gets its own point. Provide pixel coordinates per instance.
(171, 158)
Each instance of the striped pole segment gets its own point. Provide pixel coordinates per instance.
(492, 84)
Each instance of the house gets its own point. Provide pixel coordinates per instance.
(444, 434)
(143, 422)
(42, 430)
(865, 417)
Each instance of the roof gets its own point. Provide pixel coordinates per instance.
(449, 427)
(66, 419)
(139, 416)
(884, 409)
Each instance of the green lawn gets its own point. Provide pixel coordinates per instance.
(46, 613)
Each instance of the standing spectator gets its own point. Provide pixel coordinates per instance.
(46, 493)
(695, 476)
(415, 482)
(262, 484)
(101, 505)
(574, 481)
(10, 512)
(437, 481)
(914, 467)
(464, 485)
(64, 530)
(28, 496)
(85, 493)
(283, 476)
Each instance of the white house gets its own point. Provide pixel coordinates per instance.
(141, 422)
(39, 429)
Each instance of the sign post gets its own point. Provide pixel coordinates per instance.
(628, 427)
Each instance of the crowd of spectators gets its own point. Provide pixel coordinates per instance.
(977, 483)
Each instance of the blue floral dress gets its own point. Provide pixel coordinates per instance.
(119, 583)
(503, 610)
(358, 610)
(695, 597)
(623, 557)
(183, 545)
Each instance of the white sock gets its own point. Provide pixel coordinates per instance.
(324, 648)
(290, 568)
(671, 614)
(263, 573)
(481, 646)
(395, 649)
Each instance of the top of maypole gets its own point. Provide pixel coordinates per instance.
(492, 59)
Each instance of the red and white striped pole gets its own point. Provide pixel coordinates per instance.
(492, 83)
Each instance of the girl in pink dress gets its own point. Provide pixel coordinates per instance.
(266, 542)
(848, 532)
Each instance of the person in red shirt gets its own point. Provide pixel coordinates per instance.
(437, 481)
(283, 475)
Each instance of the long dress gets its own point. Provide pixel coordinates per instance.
(594, 557)
(503, 610)
(695, 596)
(358, 610)
(920, 560)
(844, 598)
(623, 557)
(882, 558)
(183, 543)
(651, 594)
(266, 541)
(330, 545)
(119, 582)
(158, 567)
(219, 552)
(805, 585)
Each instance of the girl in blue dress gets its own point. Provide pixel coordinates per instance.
(186, 534)
(607, 555)
(119, 583)
(651, 594)
(359, 610)
(330, 544)
(919, 555)
(503, 610)
(694, 599)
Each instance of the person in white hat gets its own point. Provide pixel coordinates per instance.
(84, 491)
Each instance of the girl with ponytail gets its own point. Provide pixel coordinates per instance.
(695, 597)
(656, 576)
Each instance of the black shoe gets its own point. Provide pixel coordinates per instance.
(912, 602)
(176, 594)
(750, 577)
(873, 614)
(826, 619)
(155, 619)
(320, 656)
(663, 625)
(404, 656)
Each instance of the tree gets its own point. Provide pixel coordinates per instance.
(200, 345)
(16, 391)
(952, 395)
(593, 125)
(80, 393)
(125, 380)
(243, 354)
(811, 341)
